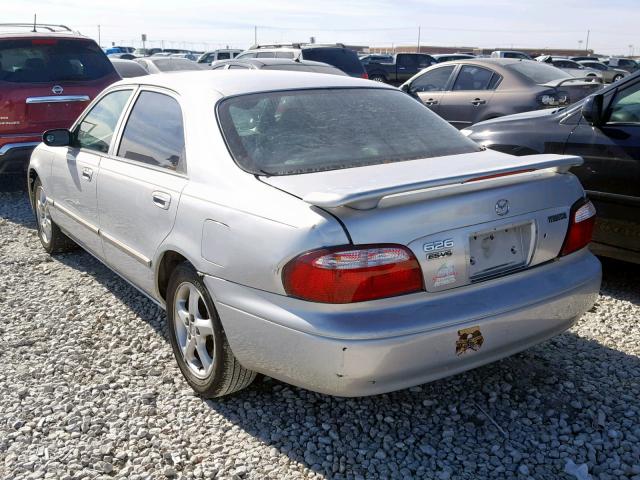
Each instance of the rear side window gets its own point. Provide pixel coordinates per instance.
(224, 56)
(154, 133)
(95, 131)
(303, 131)
(473, 78)
(265, 55)
(342, 58)
(52, 60)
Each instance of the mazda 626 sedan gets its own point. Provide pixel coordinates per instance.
(327, 231)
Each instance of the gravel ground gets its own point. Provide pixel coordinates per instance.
(89, 389)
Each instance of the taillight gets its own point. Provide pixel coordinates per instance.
(365, 75)
(553, 98)
(353, 274)
(581, 222)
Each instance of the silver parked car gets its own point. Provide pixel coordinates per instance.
(327, 231)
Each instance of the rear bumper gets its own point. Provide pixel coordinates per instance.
(381, 346)
(14, 157)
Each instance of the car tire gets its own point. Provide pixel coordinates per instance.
(378, 78)
(617, 77)
(198, 340)
(53, 240)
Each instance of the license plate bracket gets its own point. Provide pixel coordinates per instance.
(499, 250)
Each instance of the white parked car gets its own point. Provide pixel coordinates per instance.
(324, 230)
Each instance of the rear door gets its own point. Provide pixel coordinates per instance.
(75, 170)
(47, 82)
(611, 169)
(430, 86)
(140, 185)
(469, 97)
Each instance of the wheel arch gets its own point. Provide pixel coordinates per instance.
(167, 262)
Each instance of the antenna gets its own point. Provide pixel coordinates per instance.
(34, 22)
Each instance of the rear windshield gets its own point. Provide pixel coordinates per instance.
(346, 60)
(52, 60)
(537, 72)
(304, 131)
(175, 64)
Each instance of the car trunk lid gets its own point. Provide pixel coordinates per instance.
(466, 217)
(577, 88)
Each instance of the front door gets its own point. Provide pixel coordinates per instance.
(430, 86)
(140, 186)
(74, 178)
(470, 96)
(611, 169)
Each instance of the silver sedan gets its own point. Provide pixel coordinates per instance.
(327, 231)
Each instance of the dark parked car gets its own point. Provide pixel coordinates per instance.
(337, 55)
(128, 68)
(402, 67)
(376, 57)
(47, 77)
(167, 64)
(449, 57)
(604, 129)
(277, 64)
(464, 92)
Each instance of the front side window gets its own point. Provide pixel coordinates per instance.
(433, 81)
(303, 131)
(154, 133)
(95, 131)
(224, 56)
(625, 107)
(473, 78)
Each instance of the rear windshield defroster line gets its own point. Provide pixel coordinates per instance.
(304, 131)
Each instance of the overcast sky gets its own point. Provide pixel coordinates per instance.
(199, 24)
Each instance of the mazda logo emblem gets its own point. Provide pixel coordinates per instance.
(502, 207)
(57, 89)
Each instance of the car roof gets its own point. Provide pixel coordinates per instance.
(489, 61)
(65, 35)
(237, 82)
(274, 61)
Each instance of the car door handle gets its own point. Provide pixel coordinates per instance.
(161, 199)
(430, 101)
(478, 101)
(87, 174)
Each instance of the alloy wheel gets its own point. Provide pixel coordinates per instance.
(194, 330)
(43, 215)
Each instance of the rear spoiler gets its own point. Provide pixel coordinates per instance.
(369, 199)
(591, 80)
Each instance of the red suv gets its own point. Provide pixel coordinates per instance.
(47, 77)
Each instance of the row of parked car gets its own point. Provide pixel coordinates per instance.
(49, 77)
(306, 226)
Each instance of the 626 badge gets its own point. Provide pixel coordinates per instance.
(438, 249)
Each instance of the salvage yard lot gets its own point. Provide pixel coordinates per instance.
(89, 389)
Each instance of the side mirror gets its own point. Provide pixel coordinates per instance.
(592, 110)
(406, 87)
(58, 137)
